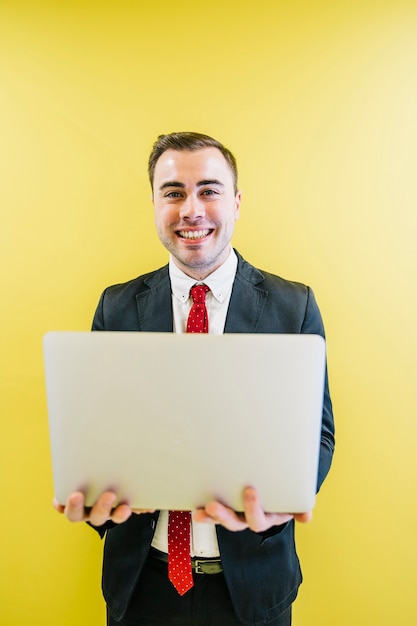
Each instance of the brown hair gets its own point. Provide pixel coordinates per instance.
(188, 141)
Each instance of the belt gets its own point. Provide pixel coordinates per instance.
(200, 566)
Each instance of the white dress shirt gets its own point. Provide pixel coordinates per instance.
(203, 536)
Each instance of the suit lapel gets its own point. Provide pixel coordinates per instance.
(247, 301)
(155, 305)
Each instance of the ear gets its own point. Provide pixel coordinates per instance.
(238, 200)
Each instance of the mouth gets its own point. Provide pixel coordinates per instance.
(193, 235)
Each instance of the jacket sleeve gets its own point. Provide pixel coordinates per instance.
(313, 324)
(98, 320)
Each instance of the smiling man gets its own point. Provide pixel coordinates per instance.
(240, 568)
(196, 205)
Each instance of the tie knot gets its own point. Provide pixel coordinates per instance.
(198, 293)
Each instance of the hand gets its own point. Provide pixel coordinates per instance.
(253, 516)
(101, 511)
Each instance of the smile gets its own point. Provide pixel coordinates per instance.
(194, 234)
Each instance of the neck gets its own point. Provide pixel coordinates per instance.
(200, 273)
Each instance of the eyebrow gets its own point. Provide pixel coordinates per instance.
(201, 183)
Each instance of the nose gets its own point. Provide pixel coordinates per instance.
(192, 208)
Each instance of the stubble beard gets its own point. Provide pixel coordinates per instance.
(195, 260)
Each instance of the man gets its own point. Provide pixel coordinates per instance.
(252, 571)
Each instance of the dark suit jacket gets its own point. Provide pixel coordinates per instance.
(261, 570)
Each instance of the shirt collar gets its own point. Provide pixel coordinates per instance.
(220, 281)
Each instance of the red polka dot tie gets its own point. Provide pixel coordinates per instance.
(179, 560)
(197, 318)
(179, 522)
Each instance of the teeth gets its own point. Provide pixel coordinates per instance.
(194, 234)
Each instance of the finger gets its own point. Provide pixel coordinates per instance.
(201, 516)
(57, 506)
(224, 516)
(121, 513)
(102, 509)
(255, 517)
(74, 508)
(304, 518)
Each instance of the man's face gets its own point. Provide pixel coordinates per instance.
(195, 208)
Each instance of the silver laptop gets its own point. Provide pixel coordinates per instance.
(173, 421)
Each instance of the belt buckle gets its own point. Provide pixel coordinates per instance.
(203, 566)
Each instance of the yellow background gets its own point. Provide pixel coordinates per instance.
(318, 100)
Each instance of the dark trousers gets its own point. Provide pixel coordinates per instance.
(155, 602)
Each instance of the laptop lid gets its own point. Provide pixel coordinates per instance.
(173, 421)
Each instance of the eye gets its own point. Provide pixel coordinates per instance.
(173, 194)
(209, 192)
